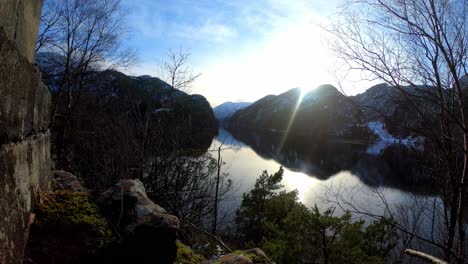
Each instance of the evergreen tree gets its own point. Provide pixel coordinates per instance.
(289, 232)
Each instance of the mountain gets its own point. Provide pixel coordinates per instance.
(319, 112)
(115, 90)
(392, 109)
(227, 109)
(381, 113)
(191, 115)
(118, 123)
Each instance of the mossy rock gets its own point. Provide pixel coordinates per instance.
(185, 255)
(234, 258)
(69, 229)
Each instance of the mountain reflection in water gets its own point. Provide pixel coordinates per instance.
(320, 168)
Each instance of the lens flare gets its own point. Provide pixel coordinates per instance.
(302, 94)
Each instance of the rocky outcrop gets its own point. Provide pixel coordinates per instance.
(148, 232)
(24, 136)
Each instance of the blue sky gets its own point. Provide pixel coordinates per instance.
(245, 49)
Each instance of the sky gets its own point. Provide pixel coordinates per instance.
(244, 49)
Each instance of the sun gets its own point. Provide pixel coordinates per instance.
(306, 90)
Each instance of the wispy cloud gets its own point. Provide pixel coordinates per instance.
(209, 31)
(181, 19)
(245, 49)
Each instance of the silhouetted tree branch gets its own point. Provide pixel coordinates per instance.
(420, 44)
(177, 72)
(84, 38)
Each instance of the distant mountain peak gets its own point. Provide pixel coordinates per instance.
(227, 109)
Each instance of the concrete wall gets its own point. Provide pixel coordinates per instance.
(24, 136)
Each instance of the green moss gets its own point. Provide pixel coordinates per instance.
(185, 255)
(69, 228)
(74, 209)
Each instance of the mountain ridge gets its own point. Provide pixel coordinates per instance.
(379, 113)
(314, 112)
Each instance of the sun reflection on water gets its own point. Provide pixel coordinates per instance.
(301, 182)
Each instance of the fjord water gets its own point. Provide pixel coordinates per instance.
(371, 177)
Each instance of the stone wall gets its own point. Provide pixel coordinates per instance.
(19, 20)
(24, 134)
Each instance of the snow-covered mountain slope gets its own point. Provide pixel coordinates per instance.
(385, 139)
(401, 110)
(227, 109)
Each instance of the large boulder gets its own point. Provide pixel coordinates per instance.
(233, 258)
(148, 232)
(258, 256)
(250, 256)
(65, 181)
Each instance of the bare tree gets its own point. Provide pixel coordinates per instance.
(419, 47)
(220, 178)
(219, 163)
(85, 37)
(177, 72)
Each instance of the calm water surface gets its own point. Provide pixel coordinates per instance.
(371, 177)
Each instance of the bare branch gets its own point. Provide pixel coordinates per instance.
(424, 256)
(176, 70)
